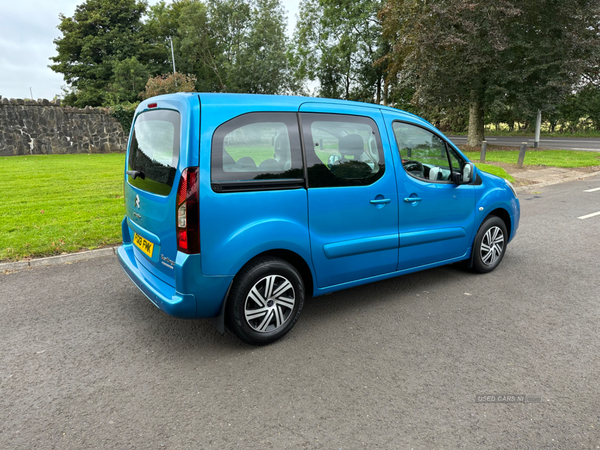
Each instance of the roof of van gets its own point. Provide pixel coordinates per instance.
(209, 98)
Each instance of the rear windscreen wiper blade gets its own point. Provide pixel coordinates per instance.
(136, 173)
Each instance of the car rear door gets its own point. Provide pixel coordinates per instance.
(156, 155)
(352, 197)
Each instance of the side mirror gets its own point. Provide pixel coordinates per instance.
(466, 176)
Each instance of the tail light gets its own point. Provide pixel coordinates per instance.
(188, 212)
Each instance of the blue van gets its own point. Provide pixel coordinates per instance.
(239, 206)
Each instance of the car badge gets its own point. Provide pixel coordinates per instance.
(137, 201)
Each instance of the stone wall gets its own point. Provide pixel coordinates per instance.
(30, 127)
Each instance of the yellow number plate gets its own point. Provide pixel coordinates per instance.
(143, 244)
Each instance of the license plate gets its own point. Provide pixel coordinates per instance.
(143, 244)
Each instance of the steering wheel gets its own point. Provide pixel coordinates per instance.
(414, 167)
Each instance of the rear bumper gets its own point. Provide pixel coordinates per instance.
(165, 297)
(195, 295)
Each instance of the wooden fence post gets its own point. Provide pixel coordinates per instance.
(522, 155)
(483, 150)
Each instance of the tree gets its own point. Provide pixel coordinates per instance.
(338, 43)
(129, 78)
(187, 24)
(498, 52)
(230, 45)
(96, 40)
(261, 63)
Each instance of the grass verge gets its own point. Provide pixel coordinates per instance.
(495, 170)
(553, 158)
(59, 203)
(529, 134)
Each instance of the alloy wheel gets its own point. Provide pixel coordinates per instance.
(492, 245)
(269, 304)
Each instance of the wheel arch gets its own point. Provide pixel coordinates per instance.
(295, 260)
(289, 256)
(502, 214)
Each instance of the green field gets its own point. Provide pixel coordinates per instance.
(59, 203)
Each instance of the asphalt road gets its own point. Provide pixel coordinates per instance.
(590, 144)
(88, 362)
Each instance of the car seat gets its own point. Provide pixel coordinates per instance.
(349, 166)
(435, 173)
(282, 151)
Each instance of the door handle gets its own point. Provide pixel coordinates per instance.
(412, 199)
(381, 201)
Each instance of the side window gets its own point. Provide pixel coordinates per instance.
(424, 155)
(341, 150)
(257, 146)
(456, 160)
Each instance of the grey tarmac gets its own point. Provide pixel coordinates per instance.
(588, 144)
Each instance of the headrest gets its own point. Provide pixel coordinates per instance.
(352, 144)
(244, 164)
(269, 165)
(282, 144)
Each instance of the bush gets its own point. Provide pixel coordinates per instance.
(169, 84)
(124, 113)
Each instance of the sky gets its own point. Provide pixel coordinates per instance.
(27, 31)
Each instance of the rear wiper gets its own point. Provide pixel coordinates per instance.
(136, 173)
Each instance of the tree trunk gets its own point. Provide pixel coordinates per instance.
(386, 88)
(378, 91)
(347, 87)
(476, 131)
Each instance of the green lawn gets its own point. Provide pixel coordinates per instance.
(554, 158)
(495, 170)
(59, 203)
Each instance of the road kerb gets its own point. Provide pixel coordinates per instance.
(555, 181)
(60, 259)
(12, 266)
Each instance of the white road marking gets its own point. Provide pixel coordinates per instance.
(590, 215)
(592, 190)
(591, 141)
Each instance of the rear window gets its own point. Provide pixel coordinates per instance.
(154, 151)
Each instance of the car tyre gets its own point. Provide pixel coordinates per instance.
(265, 301)
(490, 245)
